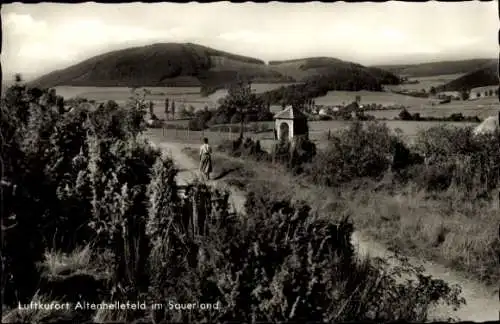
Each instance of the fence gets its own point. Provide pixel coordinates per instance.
(214, 135)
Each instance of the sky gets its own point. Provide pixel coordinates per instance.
(39, 38)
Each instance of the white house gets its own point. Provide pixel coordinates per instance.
(323, 112)
(484, 92)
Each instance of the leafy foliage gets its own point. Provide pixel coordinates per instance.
(356, 152)
(46, 157)
(455, 156)
(241, 105)
(441, 157)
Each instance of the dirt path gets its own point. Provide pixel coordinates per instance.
(482, 304)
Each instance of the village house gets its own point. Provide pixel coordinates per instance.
(454, 95)
(484, 92)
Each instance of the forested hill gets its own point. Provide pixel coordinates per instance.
(175, 64)
(485, 76)
(438, 68)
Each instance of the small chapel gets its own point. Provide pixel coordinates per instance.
(290, 124)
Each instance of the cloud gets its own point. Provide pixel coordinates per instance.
(42, 37)
(31, 41)
(246, 36)
(23, 23)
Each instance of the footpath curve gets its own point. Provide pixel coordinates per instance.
(482, 304)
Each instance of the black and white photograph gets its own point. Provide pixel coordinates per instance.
(250, 162)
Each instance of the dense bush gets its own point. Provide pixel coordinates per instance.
(241, 105)
(201, 119)
(291, 155)
(361, 150)
(457, 117)
(294, 155)
(441, 157)
(244, 148)
(46, 158)
(278, 263)
(25, 128)
(455, 156)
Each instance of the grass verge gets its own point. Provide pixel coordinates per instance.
(444, 228)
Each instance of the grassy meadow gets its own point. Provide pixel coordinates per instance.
(181, 95)
(483, 107)
(333, 98)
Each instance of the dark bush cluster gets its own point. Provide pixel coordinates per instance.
(46, 159)
(441, 157)
(362, 150)
(455, 156)
(293, 155)
(457, 117)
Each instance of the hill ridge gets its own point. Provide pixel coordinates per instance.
(189, 64)
(443, 67)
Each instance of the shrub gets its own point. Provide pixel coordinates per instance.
(48, 161)
(278, 264)
(248, 148)
(26, 128)
(456, 157)
(303, 152)
(119, 208)
(200, 120)
(356, 152)
(22, 246)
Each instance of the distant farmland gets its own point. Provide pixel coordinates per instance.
(425, 82)
(333, 98)
(482, 108)
(185, 95)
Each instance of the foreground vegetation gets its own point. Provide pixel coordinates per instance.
(437, 199)
(92, 213)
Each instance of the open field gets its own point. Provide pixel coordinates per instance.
(188, 96)
(483, 107)
(191, 96)
(333, 98)
(425, 82)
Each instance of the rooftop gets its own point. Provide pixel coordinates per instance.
(290, 113)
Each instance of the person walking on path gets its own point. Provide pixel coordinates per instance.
(206, 159)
